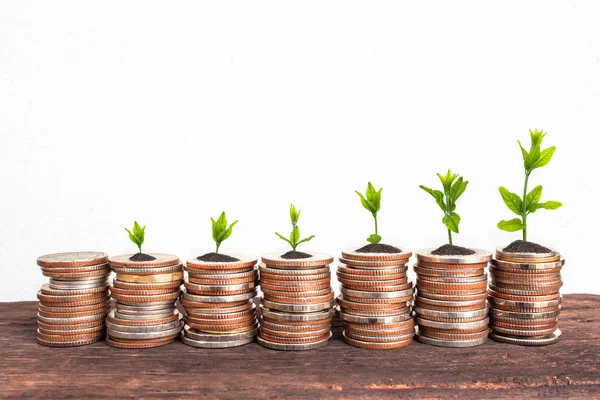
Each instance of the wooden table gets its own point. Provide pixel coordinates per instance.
(570, 368)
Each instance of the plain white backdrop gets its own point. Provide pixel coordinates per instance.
(170, 113)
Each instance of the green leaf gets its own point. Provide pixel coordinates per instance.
(451, 221)
(437, 195)
(447, 180)
(548, 205)
(525, 154)
(366, 203)
(511, 226)
(132, 237)
(374, 238)
(308, 239)
(536, 137)
(457, 189)
(295, 234)
(534, 156)
(533, 198)
(136, 229)
(228, 231)
(512, 200)
(544, 158)
(284, 238)
(370, 193)
(294, 214)
(222, 222)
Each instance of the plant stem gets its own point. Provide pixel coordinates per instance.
(218, 244)
(140, 248)
(450, 237)
(375, 217)
(524, 211)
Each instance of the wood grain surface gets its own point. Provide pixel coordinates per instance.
(570, 368)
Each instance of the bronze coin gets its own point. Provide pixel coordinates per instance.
(317, 260)
(146, 271)
(61, 337)
(70, 270)
(141, 322)
(324, 285)
(297, 334)
(433, 332)
(375, 345)
(222, 316)
(72, 321)
(77, 276)
(326, 320)
(263, 268)
(45, 289)
(450, 295)
(350, 328)
(149, 292)
(370, 278)
(527, 325)
(476, 287)
(295, 282)
(69, 343)
(274, 278)
(528, 298)
(396, 300)
(61, 309)
(441, 335)
(300, 300)
(72, 332)
(145, 299)
(76, 314)
(222, 310)
(286, 327)
(245, 262)
(140, 344)
(244, 319)
(425, 272)
(307, 293)
(449, 308)
(377, 288)
(67, 327)
(147, 286)
(373, 264)
(527, 292)
(352, 270)
(229, 328)
(375, 313)
(221, 282)
(293, 340)
(161, 260)
(202, 305)
(72, 259)
(343, 302)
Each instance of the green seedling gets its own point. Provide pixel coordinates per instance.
(372, 202)
(137, 236)
(220, 231)
(294, 239)
(530, 202)
(453, 189)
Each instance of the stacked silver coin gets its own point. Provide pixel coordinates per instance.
(74, 303)
(450, 304)
(297, 305)
(375, 300)
(524, 297)
(218, 302)
(146, 292)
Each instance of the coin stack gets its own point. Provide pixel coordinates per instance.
(450, 304)
(375, 300)
(297, 305)
(219, 310)
(145, 314)
(524, 297)
(74, 303)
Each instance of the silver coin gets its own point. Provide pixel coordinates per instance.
(450, 280)
(195, 334)
(501, 254)
(524, 315)
(210, 274)
(359, 319)
(527, 333)
(451, 297)
(376, 295)
(142, 316)
(448, 303)
(219, 288)
(442, 284)
(149, 307)
(423, 312)
(533, 341)
(524, 304)
(451, 343)
(297, 307)
(448, 272)
(111, 326)
(373, 313)
(106, 275)
(292, 347)
(480, 256)
(113, 333)
(218, 299)
(157, 304)
(296, 317)
(287, 334)
(516, 267)
(300, 272)
(207, 344)
(68, 321)
(378, 339)
(453, 325)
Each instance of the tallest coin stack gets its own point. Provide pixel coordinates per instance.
(524, 297)
(75, 301)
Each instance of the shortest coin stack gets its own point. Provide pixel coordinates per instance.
(219, 310)
(450, 305)
(74, 303)
(297, 306)
(524, 297)
(145, 313)
(375, 300)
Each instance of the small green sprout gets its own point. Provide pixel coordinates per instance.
(137, 236)
(294, 239)
(453, 189)
(220, 231)
(529, 203)
(372, 202)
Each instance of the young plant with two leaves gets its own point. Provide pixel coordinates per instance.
(294, 239)
(371, 201)
(530, 202)
(454, 186)
(137, 236)
(220, 230)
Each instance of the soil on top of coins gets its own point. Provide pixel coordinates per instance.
(293, 255)
(216, 257)
(520, 246)
(451, 250)
(142, 257)
(378, 248)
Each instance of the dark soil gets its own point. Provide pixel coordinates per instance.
(142, 257)
(216, 257)
(451, 250)
(519, 246)
(378, 248)
(293, 255)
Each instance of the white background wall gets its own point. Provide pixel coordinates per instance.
(114, 111)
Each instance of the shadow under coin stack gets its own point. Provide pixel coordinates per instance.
(450, 304)
(219, 310)
(145, 314)
(524, 297)
(74, 303)
(375, 299)
(297, 305)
